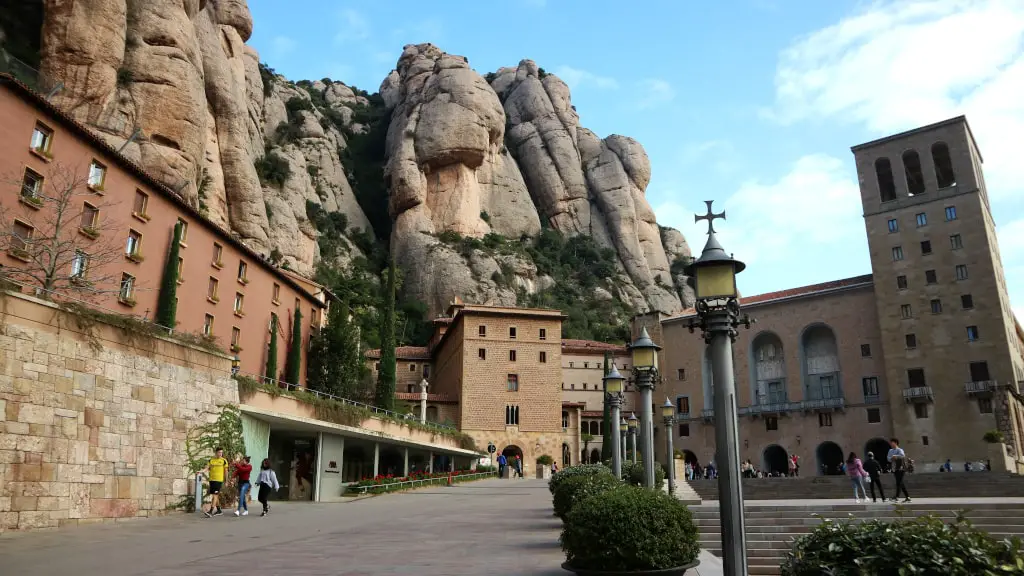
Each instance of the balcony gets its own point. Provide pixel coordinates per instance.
(872, 399)
(918, 394)
(823, 404)
(708, 415)
(770, 408)
(980, 388)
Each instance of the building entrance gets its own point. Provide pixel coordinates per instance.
(293, 458)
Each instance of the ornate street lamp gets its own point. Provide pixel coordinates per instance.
(645, 368)
(633, 422)
(718, 317)
(623, 428)
(668, 414)
(613, 383)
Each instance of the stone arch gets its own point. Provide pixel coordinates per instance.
(595, 456)
(767, 369)
(830, 458)
(775, 459)
(879, 447)
(819, 353)
(944, 173)
(689, 457)
(886, 183)
(511, 451)
(913, 172)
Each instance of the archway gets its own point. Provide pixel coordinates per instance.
(775, 460)
(768, 365)
(511, 451)
(566, 456)
(879, 447)
(820, 363)
(830, 458)
(595, 456)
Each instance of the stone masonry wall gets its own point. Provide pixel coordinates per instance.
(92, 428)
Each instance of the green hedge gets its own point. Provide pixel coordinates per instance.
(571, 471)
(573, 490)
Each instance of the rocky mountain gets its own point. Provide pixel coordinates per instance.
(460, 175)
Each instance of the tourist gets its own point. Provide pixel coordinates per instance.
(519, 466)
(688, 471)
(855, 470)
(874, 470)
(898, 459)
(967, 465)
(215, 472)
(794, 465)
(267, 483)
(242, 471)
(948, 466)
(502, 462)
(554, 467)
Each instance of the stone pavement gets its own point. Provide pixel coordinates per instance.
(491, 527)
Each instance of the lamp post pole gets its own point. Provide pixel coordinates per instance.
(633, 420)
(613, 383)
(668, 412)
(622, 432)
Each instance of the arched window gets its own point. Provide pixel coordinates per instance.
(912, 169)
(769, 370)
(886, 184)
(595, 428)
(821, 363)
(943, 165)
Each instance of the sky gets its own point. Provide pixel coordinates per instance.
(751, 103)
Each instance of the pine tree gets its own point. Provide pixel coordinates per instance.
(384, 396)
(606, 445)
(272, 351)
(167, 301)
(293, 363)
(334, 364)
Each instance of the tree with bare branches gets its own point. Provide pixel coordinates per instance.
(57, 226)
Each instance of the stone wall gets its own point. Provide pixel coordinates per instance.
(93, 419)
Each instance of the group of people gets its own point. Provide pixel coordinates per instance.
(516, 464)
(968, 466)
(869, 472)
(694, 471)
(216, 471)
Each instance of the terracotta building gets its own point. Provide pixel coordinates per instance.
(116, 226)
(583, 388)
(926, 348)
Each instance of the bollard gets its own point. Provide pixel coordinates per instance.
(199, 493)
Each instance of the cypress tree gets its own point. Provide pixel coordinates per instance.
(333, 364)
(272, 351)
(293, 363)
(606, 445)
(384, 396)
(166, 304)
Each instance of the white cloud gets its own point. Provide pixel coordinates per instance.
(1011, 250)
(280, 47)
(575, 78)
(898, 65)
(654, 92)
(352, 27)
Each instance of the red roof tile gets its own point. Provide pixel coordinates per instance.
(404, 353)
(593, 413)
(591, 346)
(793, 292)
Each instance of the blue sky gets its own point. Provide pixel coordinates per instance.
(752, 103)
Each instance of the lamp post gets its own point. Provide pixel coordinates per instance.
(718, 317)
(632, 423)
(668, 413)
(623, 428)
(645, 368)
(613, 382)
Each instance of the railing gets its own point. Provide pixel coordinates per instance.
(28, 75)
(708, 414)
(872, 399)
(917, 393)
(771, 408)
(394, 486)
(824, 404)
(980, 387)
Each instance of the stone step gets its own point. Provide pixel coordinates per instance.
(813, 521)
(763, 569)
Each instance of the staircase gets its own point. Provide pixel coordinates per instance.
(919, 485)
(772, 529)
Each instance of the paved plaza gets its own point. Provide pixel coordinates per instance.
(491, 527)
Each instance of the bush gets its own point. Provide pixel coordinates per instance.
(633, 474)
(993, 437)
(924, 545)
(272, 169)
(545, 460)
(630, 529)
(574, 490)
(571, 471)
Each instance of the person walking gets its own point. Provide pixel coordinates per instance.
(874, 470)
(518, 466)
(502, 462)
(898, 459)
(855, 470)
(242, 471)
(267, 483)
(214, 470)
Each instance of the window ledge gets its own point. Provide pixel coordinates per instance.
(181, 280)
(275, 302)
(236, 348)
(129, 302)
(18, 254)
(98, 190)
(243, 281)
(217, 265)
(213, 300)
(182, 244)
(33, 203)
(41, 154)
(239, 313)
(136, 257)
(141, 217)
(90, 233)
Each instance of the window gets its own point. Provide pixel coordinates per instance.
(184, 231)
(543, 357)
(921, 410)
(141, 206)
(922, 219)
(218, 261)
(243, 270)
(936, 306)
(930, 277)
(905, 311)
(950, 213)
(211, 289)
(90, 217)
(911, 341)
(943, 165)
(572, 386)
(236, 335)
(979, 371)
(886, 183)
(512, 383)
(683, 404)
(543, 334)
(771, 423)
(912, 169)
(966, 301)
(586, 364)
(901, 282)
(897, 253)
(824, 420)
(570, 364)
(127, 292)
(481, 330)
(32, 185)
(565, 419)
(926, 247)
(972, 334)
(511, 355)
(208, 325)
(239, 302)
(870, 386)
(133, 246)
(511, 415)
(961, 271)
(181, 269)
(42, 139)
(865, 350)
(915, 378)
(481, 353)
(80, 264)
(512, 332)
(585, 387)
(955, 243)
(426, 371)
(894, 225)
(412, 367)
(985, 405)
(21, 235)
(684, 430)
(924, 440)
(874, 415)
(680, 374)
(97, 175)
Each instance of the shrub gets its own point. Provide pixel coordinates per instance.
(630, 529)
(569, 472)
(272, 169)
(545, 460)
(993, 437)
(924, 545)
(634, 474)
(574, 490)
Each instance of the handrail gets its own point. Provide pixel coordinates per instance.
(434, 479)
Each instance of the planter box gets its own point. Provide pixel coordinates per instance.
(543, 472)
(678, 571)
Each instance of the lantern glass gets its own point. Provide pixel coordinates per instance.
(668, 410)
(644, 358)
(613, 385)
(623, 426)
(716, 280)
(633, 420)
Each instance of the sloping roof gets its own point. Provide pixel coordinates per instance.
(404, 353)
(567, 404)
(591, 346)
(415, 396)
(593, 413)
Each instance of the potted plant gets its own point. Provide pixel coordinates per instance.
(630, 531)
(544, 467)
(578, 488)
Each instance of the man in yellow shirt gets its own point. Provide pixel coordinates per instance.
(215, 471)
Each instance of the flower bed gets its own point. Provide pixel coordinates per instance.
(383, 483)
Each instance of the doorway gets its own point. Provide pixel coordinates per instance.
(775, 460)
(293, 458)
(830, 458)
